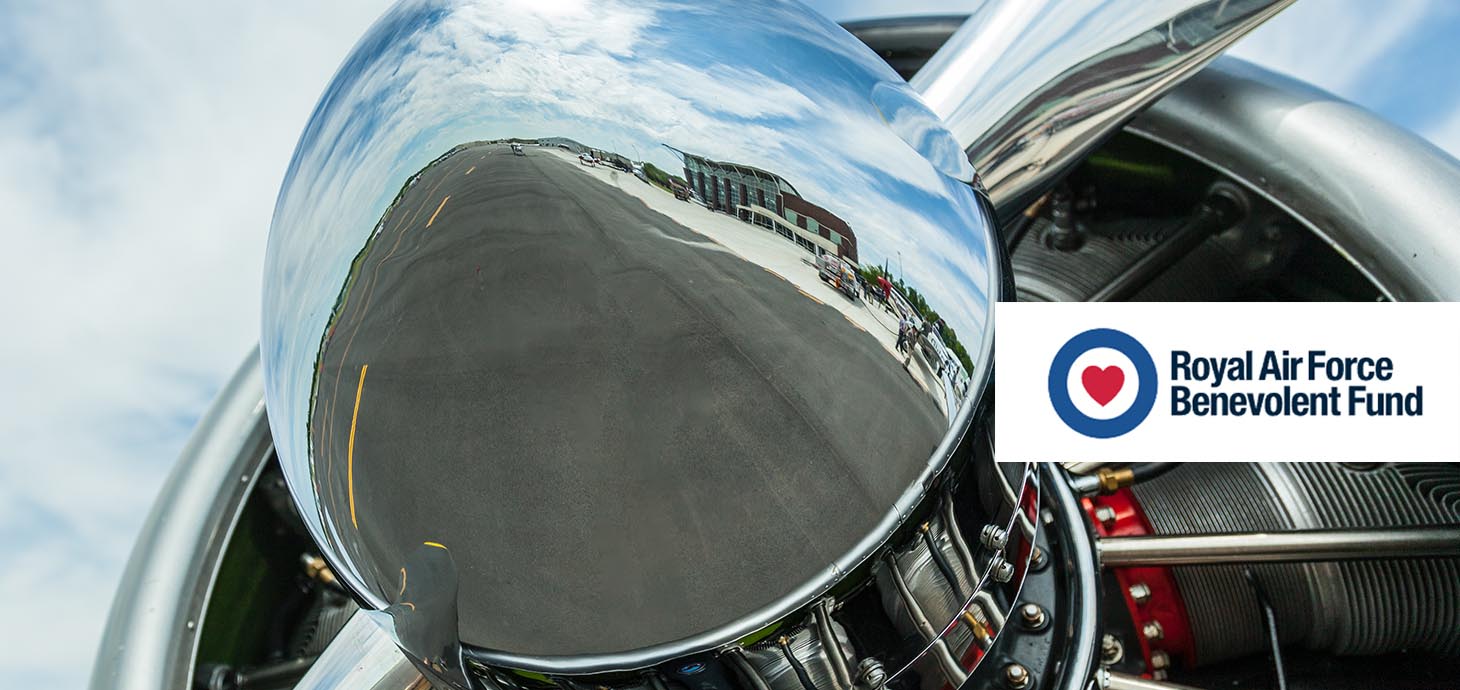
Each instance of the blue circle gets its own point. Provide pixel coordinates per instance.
(691, 669)
(1059, 391)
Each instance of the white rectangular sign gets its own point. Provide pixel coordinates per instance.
(1227, 382)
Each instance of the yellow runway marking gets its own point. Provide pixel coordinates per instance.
(438, 210)
(432, 543)
(854, 323)
(350, 457)
(809, 296)
(767, 270)
(468, 170)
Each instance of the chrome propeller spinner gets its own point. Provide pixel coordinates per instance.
(600, 335)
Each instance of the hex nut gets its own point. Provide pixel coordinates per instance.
(1105, 515)
(1033, 616)
(1016, 676)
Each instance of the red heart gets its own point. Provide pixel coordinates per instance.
(1102, 384)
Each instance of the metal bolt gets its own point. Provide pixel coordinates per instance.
(1105, 515)
(1158, 675)
(1160, 660)
(1038, 559)
(994, 538)
(1000, 569)
(1152, 630)
(1016, 676)
(1111, 650)
(1033, 616)
(1140, 592)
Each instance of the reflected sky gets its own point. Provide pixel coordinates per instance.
(767, 85)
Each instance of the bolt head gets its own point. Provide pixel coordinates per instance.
(1160, 660)
(1016, 676)
(1152, 630)
(1002, 570)
(994, 538)
(1038, 559)
(1140, 592)
(1033, 616)
(1106, 516)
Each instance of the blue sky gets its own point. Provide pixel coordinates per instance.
(142, 145)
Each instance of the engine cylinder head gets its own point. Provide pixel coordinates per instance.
(1367, 607)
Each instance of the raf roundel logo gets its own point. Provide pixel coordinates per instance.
(1102, 383)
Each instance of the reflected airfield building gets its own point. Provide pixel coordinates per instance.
(768, 200)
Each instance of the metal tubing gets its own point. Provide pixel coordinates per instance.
(937, 646)
(1214, 215)
(1110, 680)
(832, 646)
(752, 676)
(956, 534)
(1281, 547)
(990, 607)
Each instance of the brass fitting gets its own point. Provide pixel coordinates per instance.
(1114, 480)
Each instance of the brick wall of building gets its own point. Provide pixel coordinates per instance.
(828, 221)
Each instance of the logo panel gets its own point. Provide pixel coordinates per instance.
(1102, 383)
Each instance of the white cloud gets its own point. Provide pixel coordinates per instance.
(1332, 42)
(141, 146)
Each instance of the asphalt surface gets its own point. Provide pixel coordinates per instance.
(623, 433)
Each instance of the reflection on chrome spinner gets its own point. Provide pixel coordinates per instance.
(598, 335)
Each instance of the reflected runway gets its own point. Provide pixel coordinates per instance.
(724, 438)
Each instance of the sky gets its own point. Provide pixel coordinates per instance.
(142, 148)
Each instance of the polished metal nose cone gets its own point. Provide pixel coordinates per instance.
(606, 331)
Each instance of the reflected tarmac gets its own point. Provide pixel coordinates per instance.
(783, 259)
(645, 430)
